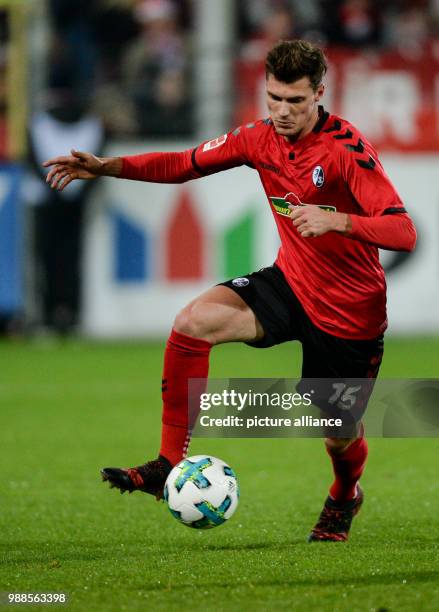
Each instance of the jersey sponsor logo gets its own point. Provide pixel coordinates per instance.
(216, 142)
(281, 205)
(318, 176)
(240, 282)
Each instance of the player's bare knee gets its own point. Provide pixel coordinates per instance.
(191, 321)
(183, 322)
(338, 445)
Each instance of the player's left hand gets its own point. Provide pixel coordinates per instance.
(312, 221)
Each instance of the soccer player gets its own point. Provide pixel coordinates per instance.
(334, 206)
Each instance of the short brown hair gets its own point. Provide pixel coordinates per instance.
(291, 60)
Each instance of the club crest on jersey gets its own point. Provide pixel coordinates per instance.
(318, 176)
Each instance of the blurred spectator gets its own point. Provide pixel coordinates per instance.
(278, 24)
(434, 34)
(4, 152)
(156, 71)
(4, 36)
(115, 27)
(353, 23)
(360, 23)
(74, 42)
(308, 14)
(409, 28)
(252, 15)
(59, 216)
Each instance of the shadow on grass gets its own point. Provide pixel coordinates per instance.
(55, 554)
(240, 546)
(237, 546)
(31, 552)
(384, 579)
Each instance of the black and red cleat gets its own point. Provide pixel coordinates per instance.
(335, 519)
(149, 477)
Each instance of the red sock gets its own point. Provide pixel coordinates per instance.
(348, 468)
(185, 357)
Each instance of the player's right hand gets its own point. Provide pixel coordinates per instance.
(67, 168)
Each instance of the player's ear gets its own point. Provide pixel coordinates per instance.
(319, 92)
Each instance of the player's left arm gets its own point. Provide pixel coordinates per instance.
(384, 221)
(312, 221)
(393, 230)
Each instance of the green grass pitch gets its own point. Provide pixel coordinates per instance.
(69, 408)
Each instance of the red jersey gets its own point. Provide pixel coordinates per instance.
(338, 280)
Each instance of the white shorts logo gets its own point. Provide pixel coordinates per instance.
(240, 282)
(318, 176)
(216, 142)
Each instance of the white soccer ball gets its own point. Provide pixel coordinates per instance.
(202, 492)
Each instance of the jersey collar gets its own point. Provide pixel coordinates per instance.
(323, 118)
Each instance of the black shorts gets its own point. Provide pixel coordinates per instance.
(325, 356)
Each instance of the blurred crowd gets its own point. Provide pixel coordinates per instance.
(134, 57)
(129, 58)
(403, 25)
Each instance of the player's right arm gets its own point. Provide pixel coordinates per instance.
(225, 152)
(79, 165)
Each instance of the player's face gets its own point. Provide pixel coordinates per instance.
(293, 107)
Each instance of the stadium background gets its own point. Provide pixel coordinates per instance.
(139, 75)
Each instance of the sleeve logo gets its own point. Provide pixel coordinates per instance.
(318, 176)
(216, 142)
